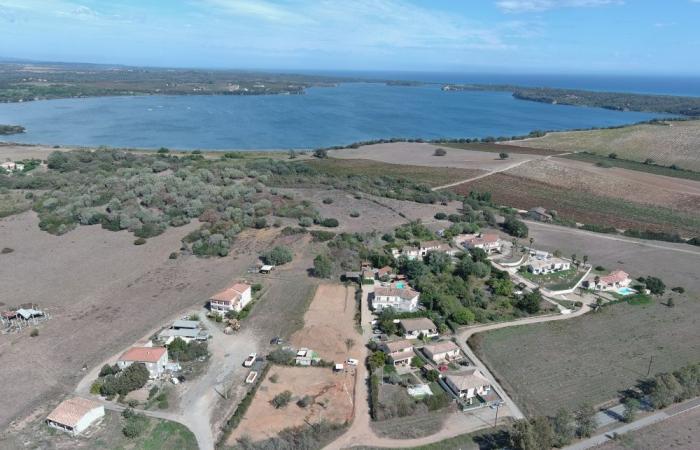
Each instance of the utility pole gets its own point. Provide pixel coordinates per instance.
(495, 422)
(651, 359)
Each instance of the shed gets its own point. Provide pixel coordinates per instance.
(75, 415)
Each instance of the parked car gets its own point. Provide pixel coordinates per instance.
(352, 362)
(250, 359)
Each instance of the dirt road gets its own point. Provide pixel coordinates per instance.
(483, 175)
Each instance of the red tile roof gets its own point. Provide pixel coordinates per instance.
(614, 277)
(69, 412)
(231, 294)
(143, 354)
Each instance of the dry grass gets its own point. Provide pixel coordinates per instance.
(676, 143)
(592, 358)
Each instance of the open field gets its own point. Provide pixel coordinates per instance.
(675, 264)
(328, 324)
(104, 293)
(418, 154)
(632, 165)
(562, 364)
(676, 143)
(633, 186)
(500, 148)
(681, 432)
(591, 208)
(422, 173)
(158, 434)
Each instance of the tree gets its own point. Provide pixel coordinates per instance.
(631, 407)
(321, 153)
(278, 255)
(665, 390)
(376, 360)
(501, 286)
(522, 436)
(322, 266)
(330, 222)
(515, 227)
(463, 316)
(564, 428)
(586, 422)
(530, 302)
(438, 262)
(612, 155)
(655, 285)
(585, 259)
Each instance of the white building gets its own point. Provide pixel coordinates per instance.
(12, 166)
(612, 281)
(468, 384)
(234, 299)
(414, 328)
(398, 296)
(542, 267)
(413, 253)
(154, 358)
(75, 415)
(490, 243)
(442, 352)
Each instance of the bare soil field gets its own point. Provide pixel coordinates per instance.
(562, 364)
(681, 432)
(430, 175)
(103, 294)
(328, 324)
(19, 151)
(332, 394)
(376, 213)
(502, 147)
(418, 154)
(590, 208)
(676, 143)
(634, 186)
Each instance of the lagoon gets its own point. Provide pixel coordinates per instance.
(322, 117)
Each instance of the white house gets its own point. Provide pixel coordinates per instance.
(74, 415)
(397, 296)
(413, 253)
(12, 166)
(490, 243)
(541, 267)
(614, 280)
(154, 358)
(413, 328)
(442, 352)
(468, 384)
(400, 352)
(234, 299)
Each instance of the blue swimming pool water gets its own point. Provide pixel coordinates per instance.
(626, 291)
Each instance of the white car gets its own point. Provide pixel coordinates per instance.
(352, 362)
(250, 359)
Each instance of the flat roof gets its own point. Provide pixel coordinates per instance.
(185, 324)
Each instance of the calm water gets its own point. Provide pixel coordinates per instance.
(323, 117)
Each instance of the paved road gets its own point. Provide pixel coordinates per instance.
(636, 425)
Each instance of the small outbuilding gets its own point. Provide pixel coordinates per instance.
(75, 415)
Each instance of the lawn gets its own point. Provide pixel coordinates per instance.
(432, 176)
(557, 281)
(164, 434)
(590, 358)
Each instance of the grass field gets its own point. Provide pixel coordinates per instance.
(634, 165)
(523, 193)
(480, 440)
(592, 358)
(433, 176)
(676, 143)
(13, 202)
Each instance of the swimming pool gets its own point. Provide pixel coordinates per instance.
(626, 291)
(400, 285)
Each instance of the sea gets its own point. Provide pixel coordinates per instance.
(328, 116)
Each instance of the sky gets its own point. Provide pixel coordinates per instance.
(644, 37)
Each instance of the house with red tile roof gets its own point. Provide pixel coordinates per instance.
(490, 243)
(398, 296)
(614, 280)
(154, 358)
(234, 298)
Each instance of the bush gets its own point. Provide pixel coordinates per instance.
(281, 356)
(321, 153)
(503, 155)
(440, 216)
(278, 255)
(515, 227)
(355, 214)
(330, 223)
(139, 241)
(6, 250)
(440, 152)
(135, 424)
(34, 332)
(322, 266)
(678, 289)
(281, 400)
(274, 378)
(305, 401)
(133, 377)
(322, 235)
(327, 201)
(173, 255)
(179, 350)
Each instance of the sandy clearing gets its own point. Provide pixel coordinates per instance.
(420, 154)
(103, 292)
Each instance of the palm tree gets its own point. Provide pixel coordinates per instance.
(585, 259)
(531, 241)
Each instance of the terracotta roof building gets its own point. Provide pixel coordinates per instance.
(154, 358)
(234, 298)
(75, 415)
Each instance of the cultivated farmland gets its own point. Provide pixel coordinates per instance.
(562, 364)
(666, 144)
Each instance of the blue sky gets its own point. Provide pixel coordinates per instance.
(562, 36)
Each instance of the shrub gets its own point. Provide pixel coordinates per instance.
(355, 214)
(282, 399)
(678, 289)
(278, 255)
(173, 255)
(6, 250)
(322, 236)
(330, 223)
(180, 350)
(133, 377)
(34, 332)
(305, 221)
(503, 155)
(612, 155)
(327, 201)
(281, 356)
(321, 153)
(440, 216)
(515, 227)
(274, 378)
(440, 152)
(139, 241)
(322, 266)
(305, 401)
